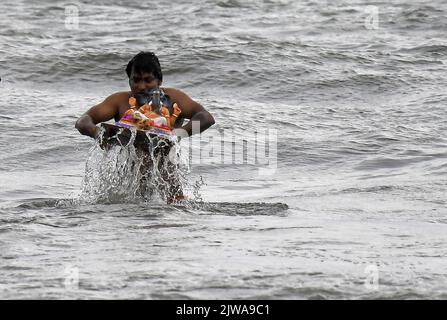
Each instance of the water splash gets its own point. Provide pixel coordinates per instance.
(126, 172)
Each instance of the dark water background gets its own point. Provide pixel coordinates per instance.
(360, 185)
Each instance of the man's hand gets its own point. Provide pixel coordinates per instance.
(201, 120)
(86, 126)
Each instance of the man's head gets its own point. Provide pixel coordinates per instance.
(144, 72)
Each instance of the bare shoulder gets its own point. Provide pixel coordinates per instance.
(175, 94)
(119, 97)
(188, 106)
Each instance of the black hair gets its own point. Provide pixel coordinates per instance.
(145, 61)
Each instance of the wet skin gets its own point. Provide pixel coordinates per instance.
(114, 107)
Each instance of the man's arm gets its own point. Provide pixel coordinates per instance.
(102, 112)
(191, 110)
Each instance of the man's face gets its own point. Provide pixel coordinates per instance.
(142, 81)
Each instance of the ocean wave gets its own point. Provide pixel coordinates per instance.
(243, 209)
(374, 82)
(383, 162)
(431, 49)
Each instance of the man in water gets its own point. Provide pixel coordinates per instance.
(144, 72)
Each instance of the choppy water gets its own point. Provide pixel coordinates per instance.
(360, 186)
